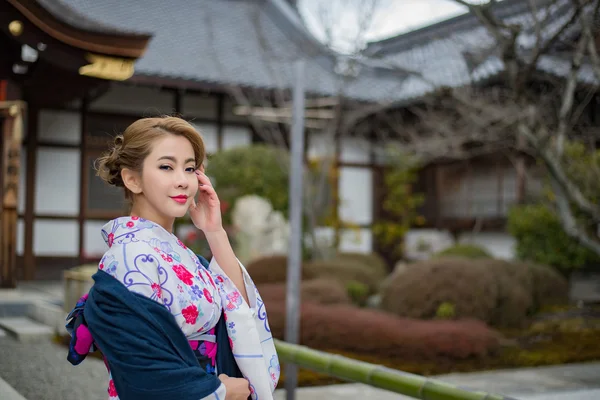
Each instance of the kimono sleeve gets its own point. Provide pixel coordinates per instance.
(249, 332)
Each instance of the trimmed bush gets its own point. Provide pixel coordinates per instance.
(464, 250)
(500, 293)
(422, 288)
(514, 296)
(351, 329)
(344, 271)
(320, 291)
(549, 286)
(541, 239)
(373, 261)
(272, 269)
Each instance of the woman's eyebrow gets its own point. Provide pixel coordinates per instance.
(171, 158)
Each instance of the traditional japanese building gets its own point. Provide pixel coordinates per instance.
(85, 69)
(76, 72)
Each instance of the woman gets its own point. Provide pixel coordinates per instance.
(170, 325)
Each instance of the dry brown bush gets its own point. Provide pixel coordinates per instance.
(320, 291)
(272, 269)
(372, 261)
(344, 271)
(422, 288)
(360, 331)
(500, 293)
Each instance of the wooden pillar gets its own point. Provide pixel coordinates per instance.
(83, 183)
(12, 132)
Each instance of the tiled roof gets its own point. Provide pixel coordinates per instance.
(245, 42)
(254, 43)
(461, 51)
(69, 15)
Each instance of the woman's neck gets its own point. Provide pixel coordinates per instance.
(151, 215)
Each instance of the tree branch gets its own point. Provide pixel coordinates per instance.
(569, 223)
(567, 98)
(553, 164)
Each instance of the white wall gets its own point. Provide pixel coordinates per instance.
(93, 243)
(20, 236)
(356, 207)
(351, 240)
(353, 150)
(55, 238)
(236, 136)
(356, 195)
(498, 244)
(420, 244)
(62, 127)
(57, 181)
(209, 134)
(143, 101)
(318, 146)
(359, 241)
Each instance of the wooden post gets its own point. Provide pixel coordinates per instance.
(12, 132)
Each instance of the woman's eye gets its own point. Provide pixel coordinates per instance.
(190, 169)
(165, 167)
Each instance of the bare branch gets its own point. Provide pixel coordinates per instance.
(541, 49)
(569, 223)
(567, 99)
(553, 164)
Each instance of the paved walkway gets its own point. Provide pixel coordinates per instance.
(562, 382)
(56, 379)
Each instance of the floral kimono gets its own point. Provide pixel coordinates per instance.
(150, 261)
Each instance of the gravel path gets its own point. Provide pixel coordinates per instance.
(40, 371)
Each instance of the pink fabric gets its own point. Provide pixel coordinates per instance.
(84, 340)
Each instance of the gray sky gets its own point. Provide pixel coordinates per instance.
(391, 17)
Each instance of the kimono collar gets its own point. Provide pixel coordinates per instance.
(129, 229)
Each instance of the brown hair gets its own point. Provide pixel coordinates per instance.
(135, 144)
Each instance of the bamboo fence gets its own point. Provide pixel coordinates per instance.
(345, 368)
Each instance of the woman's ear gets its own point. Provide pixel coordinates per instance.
(132, 180)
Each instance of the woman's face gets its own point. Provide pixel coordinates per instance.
(168, 182)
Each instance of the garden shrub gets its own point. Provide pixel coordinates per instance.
(541, 239)
(378, 334)
(549, 286)
(258, 169)
(272, 269)
(358, 292)
(419, 291)
(445, 311)
(344, 270)
(514, 295)
(464, 250)
(373, 261)
(320, 291)
(500, 293)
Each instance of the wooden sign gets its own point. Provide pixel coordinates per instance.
(104, 67)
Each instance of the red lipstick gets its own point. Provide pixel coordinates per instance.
(181, 199)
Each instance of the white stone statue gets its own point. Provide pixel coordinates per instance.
(260, 230)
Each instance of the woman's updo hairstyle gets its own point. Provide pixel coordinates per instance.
(130, 149)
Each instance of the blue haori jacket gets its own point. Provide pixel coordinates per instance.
(149, 356)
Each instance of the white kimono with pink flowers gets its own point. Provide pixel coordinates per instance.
(195, 296)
